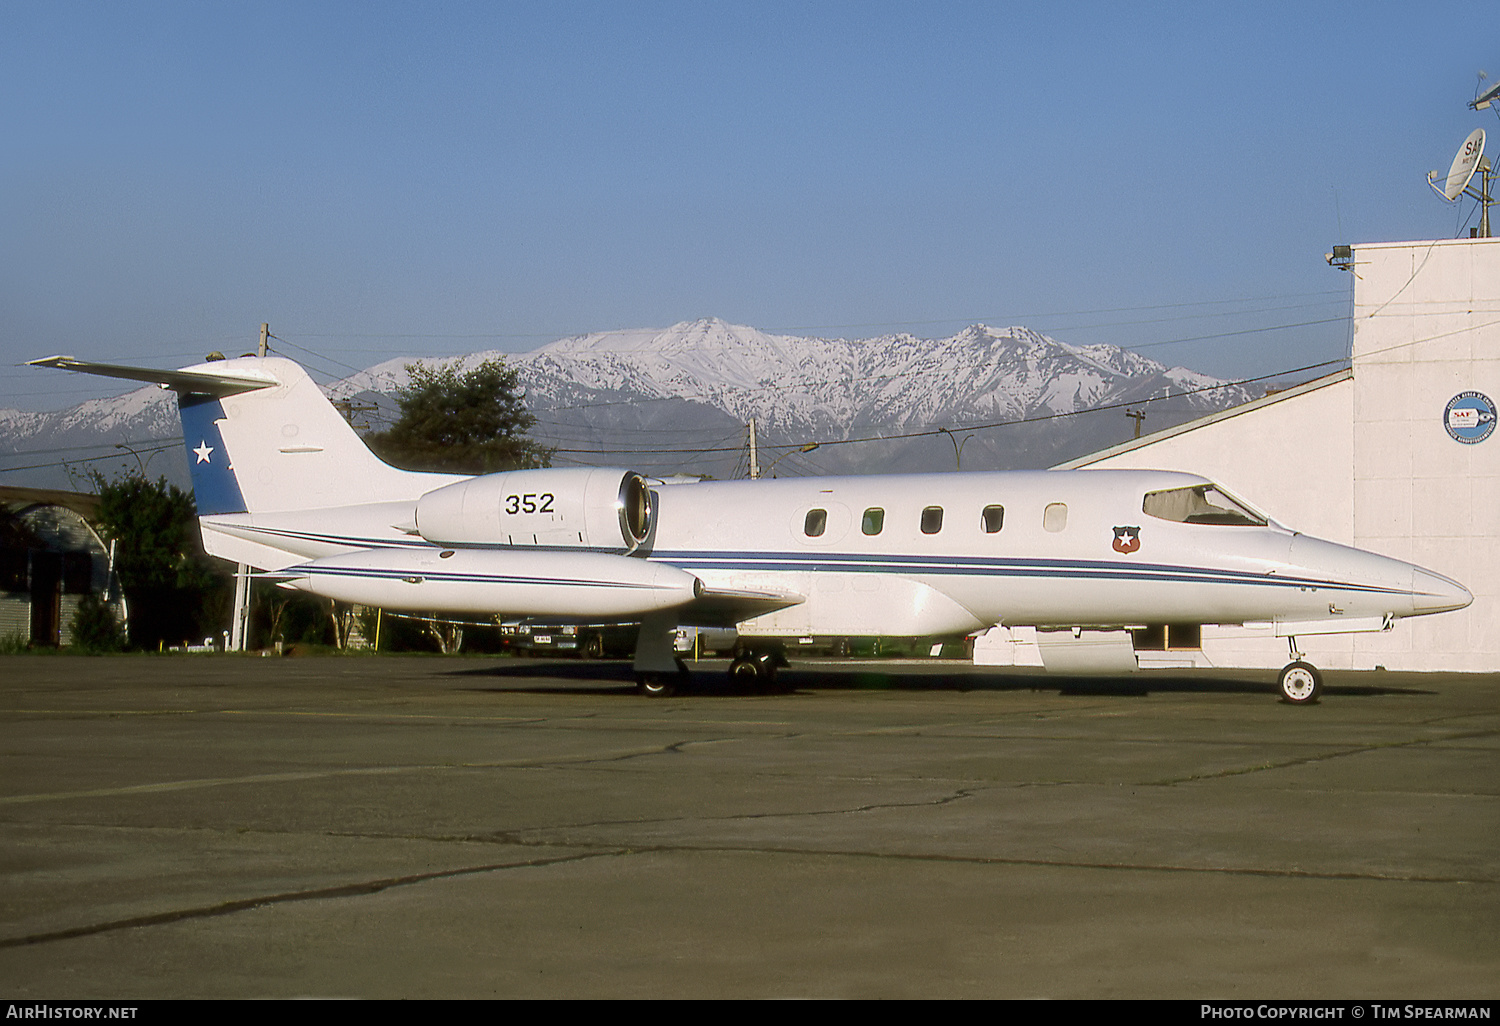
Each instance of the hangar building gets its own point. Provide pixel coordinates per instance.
(1400, 454)
(49, 559)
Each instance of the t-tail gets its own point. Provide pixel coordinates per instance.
(267, 450)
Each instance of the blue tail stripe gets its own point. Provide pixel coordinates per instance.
(215, 488)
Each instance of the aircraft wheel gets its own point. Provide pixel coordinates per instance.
(1301, 683)
(755, 669)
(657, 685)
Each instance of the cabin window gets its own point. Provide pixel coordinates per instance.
(815, 523)
(993, 519)
(932, 520)
(1055, 517)
(873, 522)
(1199, 504)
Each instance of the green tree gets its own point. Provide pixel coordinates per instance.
(175, 592)
(471, 422)
(95, 628)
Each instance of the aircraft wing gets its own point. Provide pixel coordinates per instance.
(201, 382)
(724, 608)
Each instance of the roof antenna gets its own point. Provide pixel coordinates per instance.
(1484, 97)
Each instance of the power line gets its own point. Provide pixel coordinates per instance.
(866, 381)
(567, 454)
(1005, 423)
(968, 319)
(142, 443)
(85, 459)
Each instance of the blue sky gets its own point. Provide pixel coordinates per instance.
(378, 180)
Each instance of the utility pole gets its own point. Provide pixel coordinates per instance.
(239, 624)
(1486, 195)
(754, 455)
(351, 409)
(1137, 416)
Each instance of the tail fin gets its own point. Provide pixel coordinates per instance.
(262, 438)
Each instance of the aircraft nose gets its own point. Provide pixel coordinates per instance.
(1434, 593)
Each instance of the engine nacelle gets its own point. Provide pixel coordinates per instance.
(599, 508)
(590, 587)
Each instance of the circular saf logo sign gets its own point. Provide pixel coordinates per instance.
(1470, 417)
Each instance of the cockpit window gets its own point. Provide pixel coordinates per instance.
(1199, 504)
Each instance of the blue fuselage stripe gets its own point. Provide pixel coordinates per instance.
(983, 566)
(851, 562)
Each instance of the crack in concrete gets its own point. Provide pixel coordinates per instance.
(314, 894)
(512, 836)
(362, 888)
(305, 775)
(1321, 757)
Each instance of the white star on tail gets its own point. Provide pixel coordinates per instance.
(203, 451)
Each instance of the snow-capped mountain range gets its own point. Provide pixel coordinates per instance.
(717, 376)
(678, 399)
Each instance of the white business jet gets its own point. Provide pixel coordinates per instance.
(284, 484)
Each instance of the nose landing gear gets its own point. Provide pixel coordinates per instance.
(1300, 681)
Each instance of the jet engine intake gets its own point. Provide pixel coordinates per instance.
(598, 508)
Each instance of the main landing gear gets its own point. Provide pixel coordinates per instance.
(1300, 681)
(751, 668)
(662, 684)
(756, 667)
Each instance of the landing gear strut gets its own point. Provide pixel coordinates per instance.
(658, 671)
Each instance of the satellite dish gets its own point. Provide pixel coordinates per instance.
(1464, 164)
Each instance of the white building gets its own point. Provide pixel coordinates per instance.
(1399, 455)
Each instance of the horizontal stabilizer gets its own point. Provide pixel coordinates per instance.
(198, 382)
